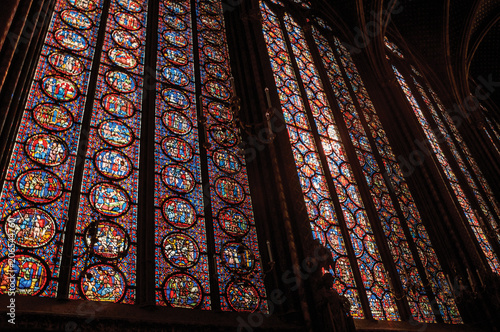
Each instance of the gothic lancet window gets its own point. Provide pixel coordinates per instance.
(70, 199)
(466, 180)
(340, 148)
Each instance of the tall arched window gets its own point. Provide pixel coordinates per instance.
(358, 201)
(104, 140)
(468, 184)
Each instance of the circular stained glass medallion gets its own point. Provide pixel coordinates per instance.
(233, 222)
(76, 19)
(182, 291)
(122, 58)
(175, 56)
(53, 117)
(177, 122)
(178, 178)
(107, 239)
(237, 257)
(130, 5)
(181, 250)
(229, 190)
(71, 40)
(113, 164)
(66, 63)
(175, 8)
(59, 88)
(226, 161)
(213, 54)
(116, 133)
(28, 274)
(217, 90)
(175, 98)
(216, 71)
(212, 37)
(103, 282)
(211, 22)
(209, 8)
(220, 112)
(30, 227)
(109, 199)
(39, 186)
(176, 76)
(175, 38)
(120, 81)
(46, 149)
(242, 296)
(179, 212)
(85, 5)
(223, 135)
(118, 106)
(174, 22)
(127, 21)
(177, 149)
(125, 39)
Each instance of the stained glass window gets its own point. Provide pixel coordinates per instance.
(313, 130)
(432, 113)
(91, 80)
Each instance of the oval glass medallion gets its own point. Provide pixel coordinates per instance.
(179, 212)
(107, 239)
(177, 122)
(71, 40)
(103, 282)
(118, 106)
(175, 8)
(125, 39)
(175, 56)
(53, 117)
(175, 98)
(178, 178)
(130, 5)
(233, 222)
(213, 54)
(127, 21)
(220, 112)
(59, 88)
(120, 81)
(217, 90)
(237, 258)
(182, 291)
(174, 22)
(229, 190)
(109, 199)
(30, 227)
(216, 71)
(223, 135)
(209, 8)
(122, 58)
(76, 19)
(85, 5)
(39, 186)
(113, 164)
(46, 149)
(242, 296)
(212, 37)
(177, 149)
(116, 133)
(66, 63)
(180, 250)
(226, 161)
(211, 22)
(176, 76)
(175, 38)
(28, 275)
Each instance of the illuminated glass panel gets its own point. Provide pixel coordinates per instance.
(394, 174)
(393, 47)
(238, 261)
(180, 238)
(470, 214)
(104, 261)
(36, 194)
